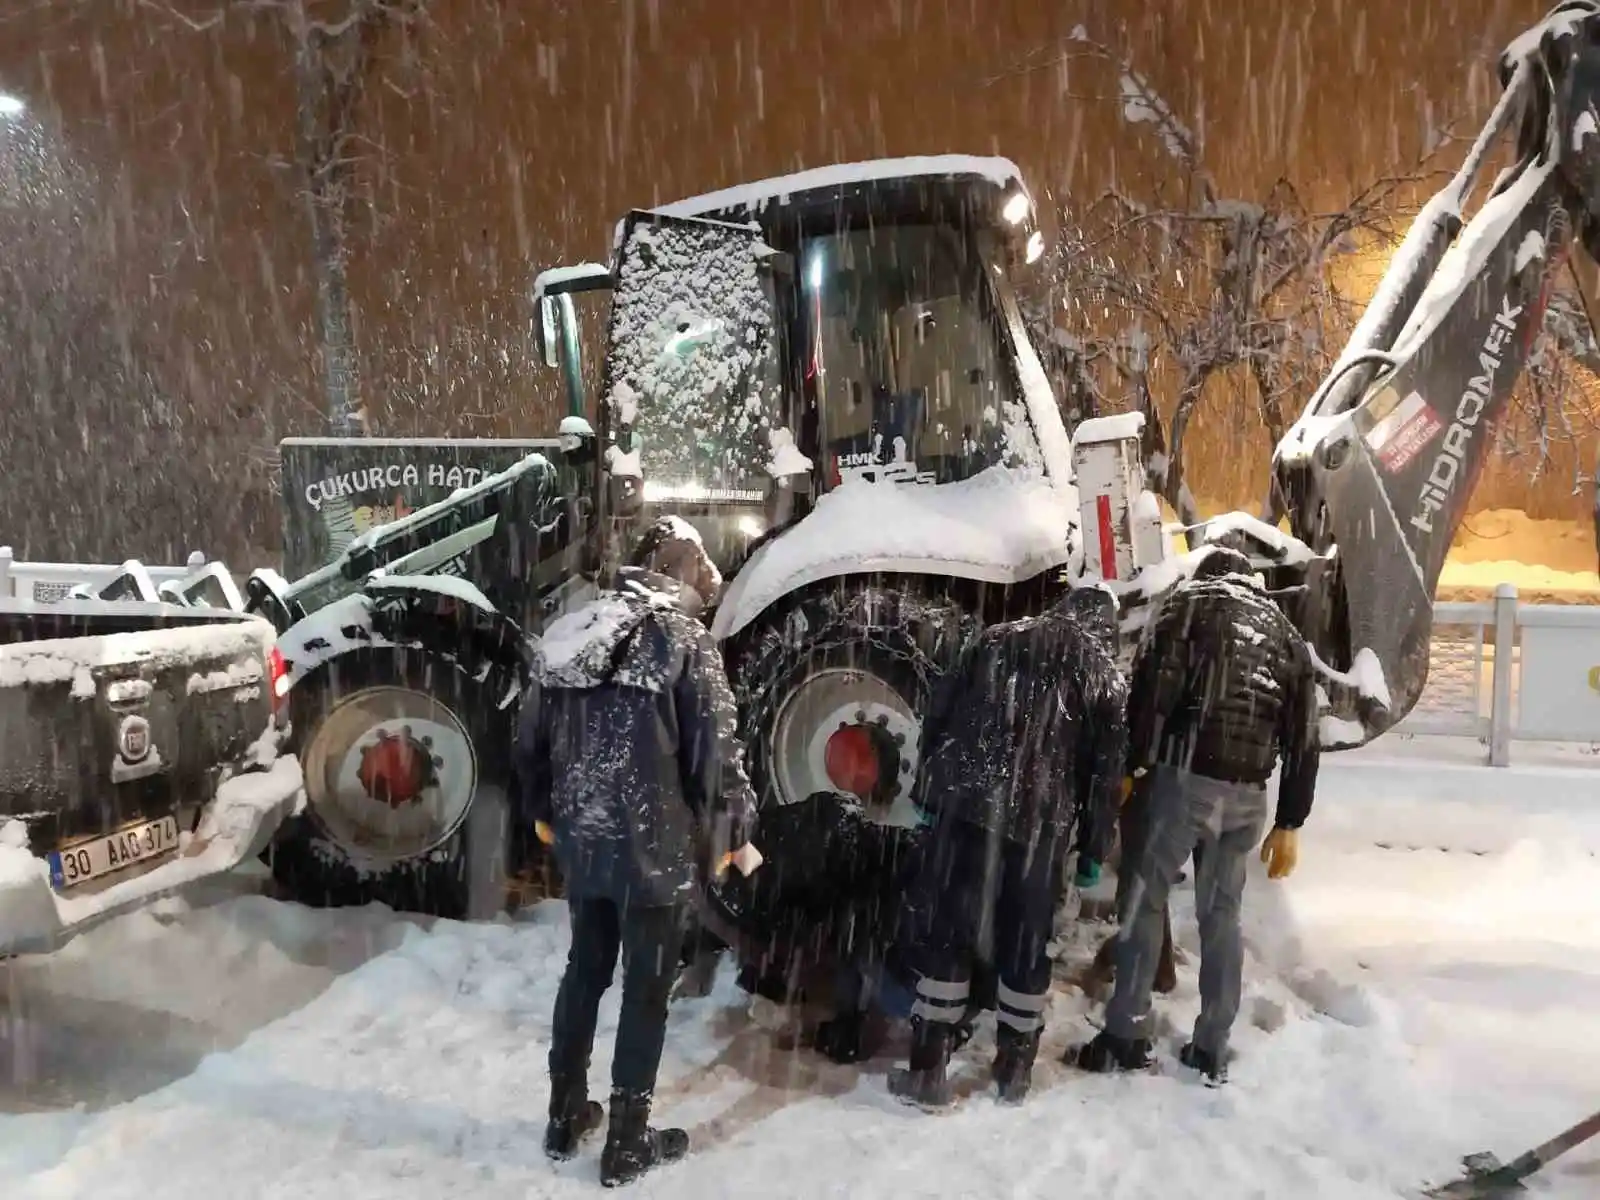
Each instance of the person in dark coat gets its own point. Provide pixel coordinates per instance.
(627, 754)
(1022, 759)
(1224, 689)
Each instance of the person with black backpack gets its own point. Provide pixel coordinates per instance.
(1224, 689)
(629, 765)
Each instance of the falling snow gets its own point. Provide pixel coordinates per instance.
(228, 223)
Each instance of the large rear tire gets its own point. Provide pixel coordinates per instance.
(859, 662)
(832, 690)
(407, 760)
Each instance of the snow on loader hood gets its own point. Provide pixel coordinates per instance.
(1003, 525)
(234, 827)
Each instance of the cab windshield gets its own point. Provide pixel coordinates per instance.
(906, 356)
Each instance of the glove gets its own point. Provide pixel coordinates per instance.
(1281, 852)
(544, 832)
(1088, 873)
(1127, 788)
(747, 858)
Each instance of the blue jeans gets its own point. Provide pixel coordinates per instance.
(1221, 824)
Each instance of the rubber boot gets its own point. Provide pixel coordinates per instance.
(573, 1116)
(1205, 1062)
(925, 1082)
(839, 1038)
(1014, 1053)
(1107, 1052)
(632, 1147)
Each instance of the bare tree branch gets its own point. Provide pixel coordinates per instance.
(1241, 296)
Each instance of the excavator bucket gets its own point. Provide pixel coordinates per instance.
(1384, 462)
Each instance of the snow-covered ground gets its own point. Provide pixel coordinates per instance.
(1404, 1006)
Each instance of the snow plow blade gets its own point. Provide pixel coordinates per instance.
(235, 826)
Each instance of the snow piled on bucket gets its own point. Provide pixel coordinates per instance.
(1001, 526)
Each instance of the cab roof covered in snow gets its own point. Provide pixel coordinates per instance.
(1001, 172)
(876, 183)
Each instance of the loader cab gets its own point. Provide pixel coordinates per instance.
(901, 323)
(773, 341)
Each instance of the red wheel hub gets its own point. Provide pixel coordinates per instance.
(394, 770)
(852, 761)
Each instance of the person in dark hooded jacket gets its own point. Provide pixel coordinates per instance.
(1223, 691)
(628, 757)
(1022, 759)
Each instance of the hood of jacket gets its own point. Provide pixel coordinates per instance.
(601, 642)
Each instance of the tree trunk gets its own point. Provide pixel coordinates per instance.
(1586, 274)
(340, 378)
(1597, 511)
(325, 177)
(1175, 491)
(1153, 439)
(1271, 416)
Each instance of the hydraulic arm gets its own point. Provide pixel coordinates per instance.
(1377, 472)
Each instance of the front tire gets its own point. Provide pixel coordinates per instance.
(851, 668)
(408, 783)
(859, 662)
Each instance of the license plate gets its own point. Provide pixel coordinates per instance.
(97, 857)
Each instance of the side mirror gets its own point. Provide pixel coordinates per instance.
(555, 315)
(556, 327)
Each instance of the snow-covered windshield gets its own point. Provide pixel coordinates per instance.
(908, 357)
(694, 371)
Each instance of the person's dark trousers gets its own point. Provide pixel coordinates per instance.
(986, 897)
(1024, 919)
(949, 903)
(650, 941)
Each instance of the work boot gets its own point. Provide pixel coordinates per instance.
(1204, 1061)
(1014, 1053)
(839, 1040)
(1107, 1053)
(632, 1147)
(573, 1116)
(925, 1082)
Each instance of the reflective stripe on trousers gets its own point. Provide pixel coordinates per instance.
(942, 1001)
(1021, 1011)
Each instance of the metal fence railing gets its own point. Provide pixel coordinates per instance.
(1501, 672)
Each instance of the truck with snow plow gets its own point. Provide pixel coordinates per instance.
(137, 750)
(829, 376)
